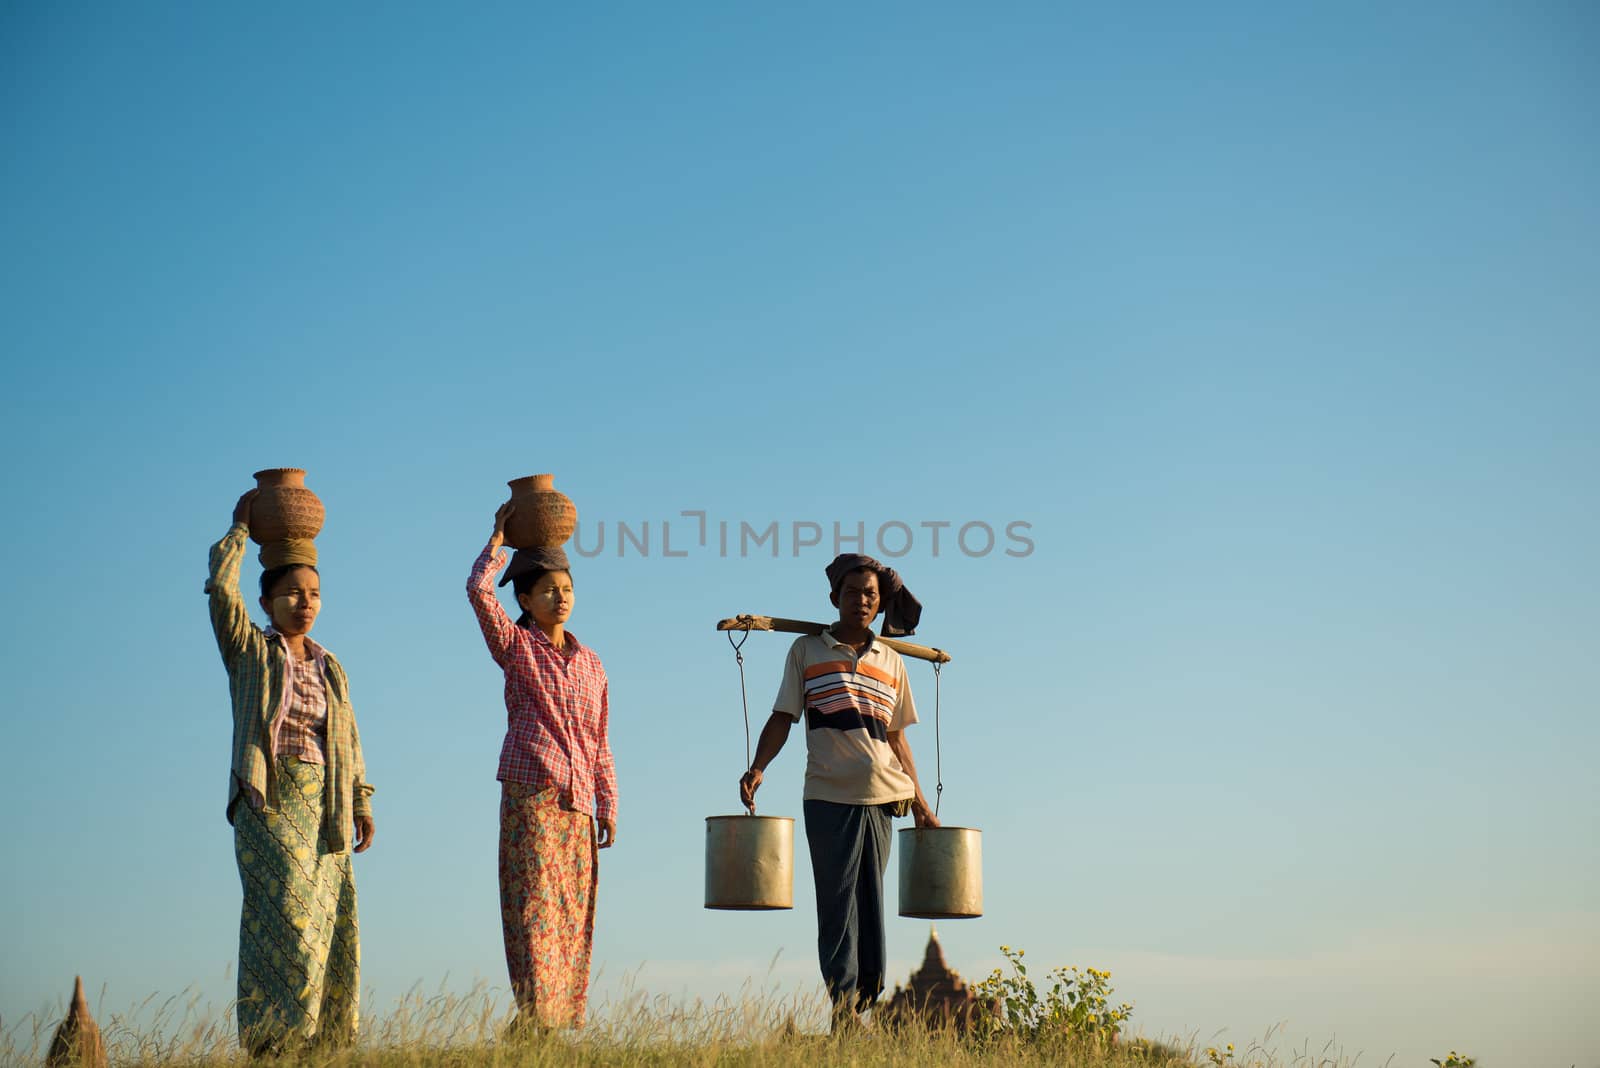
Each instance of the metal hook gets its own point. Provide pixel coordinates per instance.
(938, 748)
(744, 698)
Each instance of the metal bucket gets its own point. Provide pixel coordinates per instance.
(941, 873)
(749, 862)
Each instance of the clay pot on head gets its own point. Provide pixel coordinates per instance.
(284, 509)
(544, 515)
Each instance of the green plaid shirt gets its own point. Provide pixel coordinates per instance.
(258, 672)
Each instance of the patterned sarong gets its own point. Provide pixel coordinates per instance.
(299, 951)
(548, 878)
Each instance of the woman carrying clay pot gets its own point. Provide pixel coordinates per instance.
(298, 799)
(555, 769)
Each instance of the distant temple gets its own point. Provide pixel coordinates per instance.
(935, 995)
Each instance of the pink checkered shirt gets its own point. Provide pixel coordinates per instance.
(557, 703)
(305, 721)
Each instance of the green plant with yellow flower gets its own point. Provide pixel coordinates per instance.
(1454, 1060)
(1076, 1006)
(1221, 1058)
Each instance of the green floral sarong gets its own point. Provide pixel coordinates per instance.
(299, 950)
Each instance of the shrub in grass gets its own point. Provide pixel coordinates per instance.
(1076, 1006)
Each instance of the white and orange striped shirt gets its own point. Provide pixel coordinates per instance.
(850, 704)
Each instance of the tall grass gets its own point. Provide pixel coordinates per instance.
(641, 1031)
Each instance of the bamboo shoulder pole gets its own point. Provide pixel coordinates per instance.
(801, 626)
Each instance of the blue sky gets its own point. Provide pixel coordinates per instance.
(1277, 327)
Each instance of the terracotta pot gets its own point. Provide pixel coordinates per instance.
(284, 508)
(544, 515)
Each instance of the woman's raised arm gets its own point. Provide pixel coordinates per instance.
(230, 621)
(497, 627)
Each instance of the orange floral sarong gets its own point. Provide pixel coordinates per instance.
(548, 879)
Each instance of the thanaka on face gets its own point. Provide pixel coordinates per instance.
(293, 602)
(550, 600)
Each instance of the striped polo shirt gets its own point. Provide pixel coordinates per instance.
(850, 704)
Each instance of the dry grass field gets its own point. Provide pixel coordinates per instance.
(647, 1033)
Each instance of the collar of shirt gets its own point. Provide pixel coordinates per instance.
(318, 653)
(570, 647)
(835, 643)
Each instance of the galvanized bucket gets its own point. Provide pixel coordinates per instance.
(749, 862)
(941, 873)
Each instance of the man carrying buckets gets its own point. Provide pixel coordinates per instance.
(856, 700)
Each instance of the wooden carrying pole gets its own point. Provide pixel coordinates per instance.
(801, 626)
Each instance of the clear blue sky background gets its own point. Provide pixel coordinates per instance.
(1279, 328)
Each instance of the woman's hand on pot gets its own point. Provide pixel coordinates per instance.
(241, 511)
(922, 815)
(501, 514)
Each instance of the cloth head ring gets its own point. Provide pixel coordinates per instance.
(290, 551)
(538, 558)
